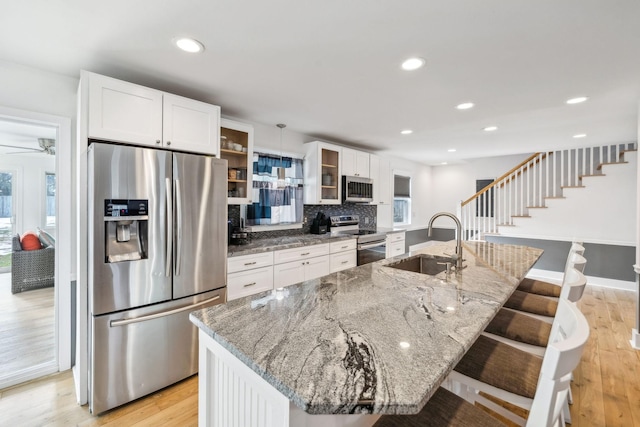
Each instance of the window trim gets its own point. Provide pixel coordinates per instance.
(404, 174)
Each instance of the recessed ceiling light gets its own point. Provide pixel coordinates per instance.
(465, 106)
(443, 163)
(189, 45)
(451, 150)
(580, 135)
(490, 128)
(577, 100)
(413, 64)
(406, 132)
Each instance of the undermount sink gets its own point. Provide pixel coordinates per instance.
(424, 264)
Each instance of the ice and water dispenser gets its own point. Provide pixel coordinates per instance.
(125, 230)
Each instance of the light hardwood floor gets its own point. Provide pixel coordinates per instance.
(606, 389)
(27, 328)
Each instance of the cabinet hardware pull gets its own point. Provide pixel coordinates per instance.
(157, 141)
(344, 262)
(250, 263)
(168, 142)
(249, 284)
(306, 253)
(344, 247)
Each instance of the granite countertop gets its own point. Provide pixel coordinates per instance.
(277, 243)
(370, 339)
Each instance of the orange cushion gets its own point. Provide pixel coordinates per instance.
(30, 242)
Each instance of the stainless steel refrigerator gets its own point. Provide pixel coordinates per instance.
(157, 250)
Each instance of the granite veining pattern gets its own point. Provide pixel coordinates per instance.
(277, 243)
(370, 339)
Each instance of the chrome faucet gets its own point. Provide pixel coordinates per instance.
(458, 257)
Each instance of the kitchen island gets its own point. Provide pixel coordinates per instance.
(364, 341)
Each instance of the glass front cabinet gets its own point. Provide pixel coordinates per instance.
(236, 146)
(322, 177)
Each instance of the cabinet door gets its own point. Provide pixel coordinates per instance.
(288, 273)
(190, 125)
(239, 159)
(322, 174)
(380, 172)
(249, 282)
(355, 163)
(124, 112)
(395, 249)
(317, 267)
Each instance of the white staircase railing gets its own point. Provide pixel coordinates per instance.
(529, 184)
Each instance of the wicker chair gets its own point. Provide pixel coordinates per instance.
(31, 269)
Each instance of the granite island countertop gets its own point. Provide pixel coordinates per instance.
(370, 339)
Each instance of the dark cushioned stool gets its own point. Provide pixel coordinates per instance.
(531, 303)
(444, 409)
(520, 327)
(539, 287)
(502, 366)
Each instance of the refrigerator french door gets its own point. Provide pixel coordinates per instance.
(157, 251)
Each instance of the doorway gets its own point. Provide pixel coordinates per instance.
(35, 305)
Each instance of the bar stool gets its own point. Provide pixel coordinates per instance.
(543, 306)
(540, 287)
(528, 333)
(523, 379)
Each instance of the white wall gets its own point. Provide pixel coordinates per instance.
(30, 188)
(454, 183)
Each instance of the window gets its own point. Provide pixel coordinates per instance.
(277, 200)
(401, 200)
(50, 199)
(484, 203)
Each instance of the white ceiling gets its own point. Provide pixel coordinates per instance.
(331, 68)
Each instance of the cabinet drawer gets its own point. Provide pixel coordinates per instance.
(317, 267)
(246, 262)
(395, 237)
(343, 260)
(343, 245)
(294, 254)
(249, 282)
(396, 248)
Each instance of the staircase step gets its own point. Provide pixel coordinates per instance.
(506, 225)
(599, 174)
(555, 197)
(536, 207)
(611, 163)
(520, 216)
(572, 186)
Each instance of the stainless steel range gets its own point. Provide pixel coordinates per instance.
(372, 244)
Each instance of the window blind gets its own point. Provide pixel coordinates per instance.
(401, 186)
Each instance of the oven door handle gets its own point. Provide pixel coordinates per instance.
(371, 245)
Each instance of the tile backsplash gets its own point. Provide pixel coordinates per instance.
(367, 214)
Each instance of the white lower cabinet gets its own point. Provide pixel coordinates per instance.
(343, 255)
(395, 244)
(294, 272)
(249, 282)
(249, 274)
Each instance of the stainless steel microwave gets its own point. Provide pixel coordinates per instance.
(356, 189)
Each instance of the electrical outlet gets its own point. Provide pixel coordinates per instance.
(305, 220)
(366, 220)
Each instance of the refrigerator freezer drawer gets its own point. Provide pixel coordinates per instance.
(139, 351)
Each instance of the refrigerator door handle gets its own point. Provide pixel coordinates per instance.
(168, 230)
(179, 227)
(124, 322)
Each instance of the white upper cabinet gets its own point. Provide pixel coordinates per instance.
(380, 172)
(322, 174)
(125, 112)
(355, 163)
(190, 125)
(236, 146)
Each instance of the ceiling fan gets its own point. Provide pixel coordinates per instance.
(47, 145)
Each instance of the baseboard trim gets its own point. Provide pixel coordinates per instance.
(635, 339)
(603, 282)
